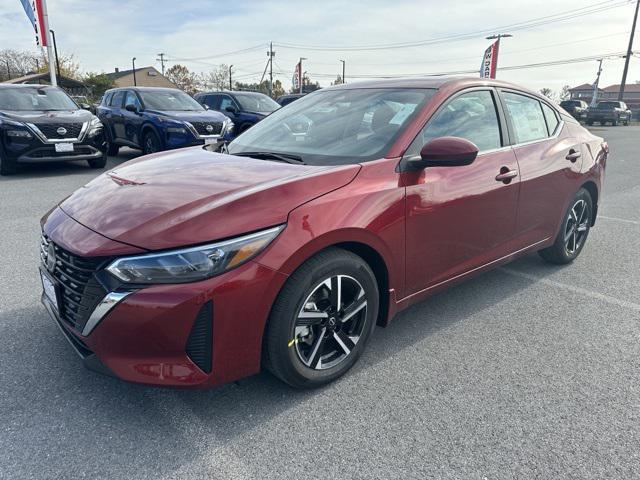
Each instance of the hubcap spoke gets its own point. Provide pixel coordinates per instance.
(316, 353)
(311, 318)
(344, 341)
(354, 308)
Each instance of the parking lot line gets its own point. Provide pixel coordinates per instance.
(582, 291)
(619, 219)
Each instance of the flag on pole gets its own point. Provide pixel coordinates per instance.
(297, 74)
(490, 61)
(33, 9)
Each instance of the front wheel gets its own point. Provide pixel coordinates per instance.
(322, 319)
(8, 166)
(151, 143)
(574, 231)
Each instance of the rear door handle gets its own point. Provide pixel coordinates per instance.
(572, 156)
(506, 175)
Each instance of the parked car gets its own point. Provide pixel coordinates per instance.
(613, 112)
(287, 250)
(577, 108)
(244, 108)
(287, 99)
(43, 124)
(154, 119)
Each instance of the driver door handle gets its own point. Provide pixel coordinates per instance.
(506, 175)
(572, 156)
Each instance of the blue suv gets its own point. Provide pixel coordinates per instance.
(245, 109)
(156, 119)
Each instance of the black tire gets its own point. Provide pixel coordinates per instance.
(574, 231)
(614, 123)
(8, 166)
(112, 149)
(151, 143)
(286, 342)
(98, 162)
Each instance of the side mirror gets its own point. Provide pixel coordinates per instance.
(206, 107)
(446, 152)
(85, 106)
(231, 108)
(130, 107)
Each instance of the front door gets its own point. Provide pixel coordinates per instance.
(460, 218)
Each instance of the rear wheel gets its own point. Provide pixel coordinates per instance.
(8, 166)
(322, 319)
(151, 143)
(574, 231)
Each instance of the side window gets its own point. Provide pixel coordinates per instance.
(107, 98)
(116, 100)
(132, 99)
(225, 102)
(526, 117)
(211, 101)
(551, 118)
(471, 115)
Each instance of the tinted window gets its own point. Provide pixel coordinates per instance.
(225, 102)
(550, 117)
(34, 99)
(470, 115)
(132, 99)
(526, 117)
(169, 100)
(335, 127)
(256, 102)
(608, 104)
(116, 100)
(210, 101)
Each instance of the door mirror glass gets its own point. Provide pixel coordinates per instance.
(130, 107)
(85, 106)
(230, 108)
(446, 152)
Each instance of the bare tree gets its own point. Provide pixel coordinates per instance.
(183, 78)
(16, 63)
(217, 79)
(564, 94)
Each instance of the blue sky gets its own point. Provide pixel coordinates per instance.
(104, 34)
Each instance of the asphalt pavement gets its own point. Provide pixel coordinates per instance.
(529, 371)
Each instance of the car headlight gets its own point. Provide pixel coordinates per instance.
(181, 130)
(228, 126)
(95, 127)
(15, 129)
(192, 264)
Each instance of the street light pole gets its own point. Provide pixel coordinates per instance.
(629, 53)
(301, 77)
(55, 49)
(230, 83)
(498, 37)
(343, 62)
(133, 62)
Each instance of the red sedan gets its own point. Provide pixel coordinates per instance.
(193, 268)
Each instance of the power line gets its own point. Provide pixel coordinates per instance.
(209, 57)
(562, 16)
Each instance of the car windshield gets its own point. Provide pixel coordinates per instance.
(256, 103)
(169, 100)
(35, 99)
(608, 104)
(335, 126)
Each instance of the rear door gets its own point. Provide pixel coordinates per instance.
(460, 218)
(116, 119)
(549, 156)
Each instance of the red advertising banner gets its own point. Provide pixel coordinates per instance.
(490, 61)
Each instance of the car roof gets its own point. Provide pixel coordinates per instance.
(145, 89)
(28, 85)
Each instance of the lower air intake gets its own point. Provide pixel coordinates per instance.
(199, 343)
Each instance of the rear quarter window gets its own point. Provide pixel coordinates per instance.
(526, 117)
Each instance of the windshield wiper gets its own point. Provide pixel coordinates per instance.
(281, 157)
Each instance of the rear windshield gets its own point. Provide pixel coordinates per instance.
(256, 103)
(608, 104)
(570, 103)
(174, 100)
(35, 99)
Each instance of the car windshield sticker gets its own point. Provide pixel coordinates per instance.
(406, 110)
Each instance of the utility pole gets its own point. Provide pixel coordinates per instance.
(161, 60)
(47, 36)
(271, 54)
(629, 53)
(498, 37)
(343, 62)
(230, 84)
(55, 49)
(133, 62)
(594, 97)
(301, 78)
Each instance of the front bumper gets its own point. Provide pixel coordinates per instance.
(34, 151)
(148, 336)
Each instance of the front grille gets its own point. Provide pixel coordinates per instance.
(50, 130)
(201, 128)
(199, 344)
(79, 291)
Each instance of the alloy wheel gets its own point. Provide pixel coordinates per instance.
(330, 322)
(576, 227)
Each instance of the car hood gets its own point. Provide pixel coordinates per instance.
(193, 196)
(39, 116)
(191, 116)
